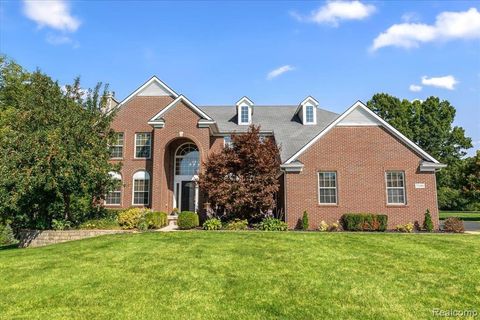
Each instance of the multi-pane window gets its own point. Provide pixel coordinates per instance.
(114, 197)
(143, 144)
(327, 187)
(227, 142)
(309, 114)
(187, 160)
(244, 114)
(395, 181)
(141, 188)
(116, 149)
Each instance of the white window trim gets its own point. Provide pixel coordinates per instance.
(404, 203)
(225, 142)
(336, 189)
(249, 113)
(115, 176)
(135, 146)
(305, 115)
(133, 189)
(123, 148)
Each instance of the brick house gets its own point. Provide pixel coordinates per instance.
(331, 163)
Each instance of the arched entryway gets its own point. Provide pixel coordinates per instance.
(185, 176)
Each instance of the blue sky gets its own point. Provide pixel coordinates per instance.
(273, 52)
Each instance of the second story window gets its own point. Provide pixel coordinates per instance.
(244, 115)
(116, 149)
(309, 114)
(143, 144)
(227, 142)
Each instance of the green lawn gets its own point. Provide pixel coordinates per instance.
(464, 215)
(243, 275)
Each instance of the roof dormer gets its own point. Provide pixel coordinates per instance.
(244, 111)
(307, 111)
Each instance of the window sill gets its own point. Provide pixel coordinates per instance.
(112, 205)
(396, 205)
(323, 205)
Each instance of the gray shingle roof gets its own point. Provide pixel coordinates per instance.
(287, 128)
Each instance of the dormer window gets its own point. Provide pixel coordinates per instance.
(309, 118)
(244, 118)
(306, 111)
(244, 111)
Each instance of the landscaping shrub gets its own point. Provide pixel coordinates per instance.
(335, 227)
(453, 224)
(237, 224)
(61, 224)
(323, 226)
(6, 235)
(156, 219)
(408, 228)
(212, 224)
(102, 224)
(130, 218)
(305, 220)
(427, 222)
(272, 224)
(187, 220)
(364, 222)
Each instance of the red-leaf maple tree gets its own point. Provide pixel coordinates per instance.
(241, 180)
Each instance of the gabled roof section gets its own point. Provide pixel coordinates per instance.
(308, 99)
(374, 116)
(158, 117)
(152, 84)
(246, 100)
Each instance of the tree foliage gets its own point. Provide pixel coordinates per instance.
(53, 148)
(242, 179)
(429, 124)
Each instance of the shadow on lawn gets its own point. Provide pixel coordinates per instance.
(9, 247)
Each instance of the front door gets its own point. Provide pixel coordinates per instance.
(186, 174)
(187, 196)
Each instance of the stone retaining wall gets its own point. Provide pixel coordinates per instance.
(38, 238)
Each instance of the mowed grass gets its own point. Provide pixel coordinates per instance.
(464, 215)
(243, 275)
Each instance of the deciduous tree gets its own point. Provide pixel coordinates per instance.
(242, 179)
(53, 147)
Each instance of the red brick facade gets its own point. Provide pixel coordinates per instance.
(360, 155)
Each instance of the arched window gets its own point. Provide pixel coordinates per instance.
(187, 160)
(114, 197)
(141, 188)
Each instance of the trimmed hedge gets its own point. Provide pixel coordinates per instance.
(187, 220)
(156, 219)
(364, 222)
(130, 218)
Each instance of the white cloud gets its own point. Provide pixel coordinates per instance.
(335, 11)
(415, 88)
(448, 26)
(446, 82)
(52, 13)
(281, 70)
(56, 40)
